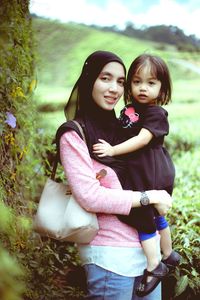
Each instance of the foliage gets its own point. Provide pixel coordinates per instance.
(49, 266)
(185, 221)
(11, 274)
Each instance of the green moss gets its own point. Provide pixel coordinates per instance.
(16, 75)
(16, 60)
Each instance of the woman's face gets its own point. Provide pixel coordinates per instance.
(109, 86)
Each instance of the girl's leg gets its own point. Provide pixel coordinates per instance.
(154, 295)
(105, 285)
(170, 258)
(150, 248)
(165, 242)
(155, 271)
(165, 236)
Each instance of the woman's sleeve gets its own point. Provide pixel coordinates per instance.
(81, 176)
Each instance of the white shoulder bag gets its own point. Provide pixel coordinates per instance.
(59, 216)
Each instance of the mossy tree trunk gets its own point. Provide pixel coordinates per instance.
(16, 115)
(16, 124)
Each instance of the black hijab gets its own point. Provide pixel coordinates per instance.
(97, 122)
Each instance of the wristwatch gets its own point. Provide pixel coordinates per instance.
(144, 199)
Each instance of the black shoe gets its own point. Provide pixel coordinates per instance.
(144, 288)
(172, 261)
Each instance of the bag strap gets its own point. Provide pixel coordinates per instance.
(80, 129)
(55, 162)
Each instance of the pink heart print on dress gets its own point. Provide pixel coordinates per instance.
(133, 116)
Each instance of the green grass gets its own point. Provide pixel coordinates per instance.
(51, 121)
(51, 94)
(186, 90)
(62, 49)
(184, 124)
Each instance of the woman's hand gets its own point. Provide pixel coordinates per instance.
(103, 149)
(161, 199)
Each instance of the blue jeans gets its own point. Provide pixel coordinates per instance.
(106, 285)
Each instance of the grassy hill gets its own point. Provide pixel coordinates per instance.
(62, 49)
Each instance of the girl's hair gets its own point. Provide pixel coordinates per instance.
(159, 69)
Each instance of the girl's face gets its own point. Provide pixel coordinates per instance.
(109, 86)
(145, 87)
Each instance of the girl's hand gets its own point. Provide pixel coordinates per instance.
(103, 149)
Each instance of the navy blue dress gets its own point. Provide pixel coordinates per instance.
(150, 167)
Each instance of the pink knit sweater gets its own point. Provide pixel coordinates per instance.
(105, 197)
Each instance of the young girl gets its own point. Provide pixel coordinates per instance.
(145, 124)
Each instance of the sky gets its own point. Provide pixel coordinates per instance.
(184, 14)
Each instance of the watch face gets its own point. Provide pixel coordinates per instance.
(144, 199)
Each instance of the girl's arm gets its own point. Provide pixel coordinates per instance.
(91, 195)
(135, 143)
(81, 175)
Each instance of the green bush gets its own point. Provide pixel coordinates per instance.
(185, 221)
(11, 273)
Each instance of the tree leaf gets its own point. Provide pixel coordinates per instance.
(181, 285)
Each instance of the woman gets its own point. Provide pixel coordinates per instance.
(114, 260)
